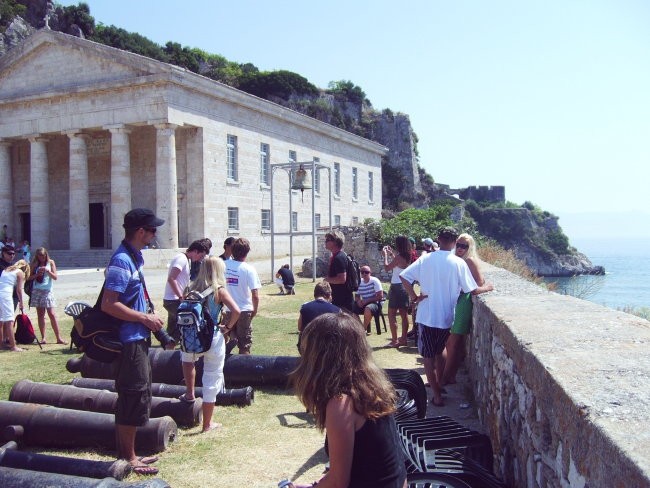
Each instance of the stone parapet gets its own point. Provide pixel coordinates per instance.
(562, 387)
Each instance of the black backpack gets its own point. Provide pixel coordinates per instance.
(353, 275)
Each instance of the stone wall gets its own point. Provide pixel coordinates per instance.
(562, 387)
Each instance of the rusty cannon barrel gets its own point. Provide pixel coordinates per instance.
(71, 397)
(238, 369)
(46, 426)
(12, 458)
(12, 477)
(242, 397)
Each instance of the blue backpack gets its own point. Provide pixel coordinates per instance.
(195, 322)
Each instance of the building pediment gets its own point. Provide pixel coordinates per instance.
(51, 62)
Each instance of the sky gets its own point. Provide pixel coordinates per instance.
(550, 99)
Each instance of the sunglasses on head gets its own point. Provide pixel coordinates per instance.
(462, 246)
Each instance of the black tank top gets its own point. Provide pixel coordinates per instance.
(377, 460)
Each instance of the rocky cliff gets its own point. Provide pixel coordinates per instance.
(535, 237)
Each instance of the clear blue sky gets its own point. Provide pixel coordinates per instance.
(550, 99)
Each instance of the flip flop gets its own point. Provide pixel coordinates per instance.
(183, 398)
(148, 459)
(144, 470)
(440, 403)
(62, 342)
(213, 426)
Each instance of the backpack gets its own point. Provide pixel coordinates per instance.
(353, 275)
(96, 334)
(28, 287)
(24, 330)
(194, 322)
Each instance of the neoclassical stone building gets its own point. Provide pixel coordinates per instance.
(88, 132)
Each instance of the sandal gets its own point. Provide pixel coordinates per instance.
(144, 469)
(394, 344)
(183, 398)
(148, 459)
(61, 341)
(213, 426)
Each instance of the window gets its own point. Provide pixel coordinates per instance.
(371, 190)
(316, 176)
(232, 157)
(337, 220)
(355, 186)
(337, 179)
(233, 218)
(294, 221)
(317, 220)
(355, 220)
(266, 219)
(265, 164)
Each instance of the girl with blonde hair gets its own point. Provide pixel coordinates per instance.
(42, 297)
(351, 399)
(12, 278)
(455, 347)
(211, 275)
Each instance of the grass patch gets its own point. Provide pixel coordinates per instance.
(259, 445)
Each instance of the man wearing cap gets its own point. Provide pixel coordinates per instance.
(125, 298)
(442, 276)
(429, 246)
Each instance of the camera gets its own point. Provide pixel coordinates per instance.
(166, 341)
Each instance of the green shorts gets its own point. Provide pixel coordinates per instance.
(462, 314)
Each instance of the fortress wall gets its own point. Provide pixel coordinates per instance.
(562, 387)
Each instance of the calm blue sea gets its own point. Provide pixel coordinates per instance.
(627, 279)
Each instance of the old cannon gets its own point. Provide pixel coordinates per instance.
(166, 368)
(10, 457)
(19, 478)
(71, 397)
(237, 396)
(42, 425)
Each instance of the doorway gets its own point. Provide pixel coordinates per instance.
(25, 227)
(97, 225)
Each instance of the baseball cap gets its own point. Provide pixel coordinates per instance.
(141, 217)
(427, 241)
(8, 248)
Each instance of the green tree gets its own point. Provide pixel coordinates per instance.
(10, 9)
(280, 84)
(349, 90)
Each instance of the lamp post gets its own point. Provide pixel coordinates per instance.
(298, 181)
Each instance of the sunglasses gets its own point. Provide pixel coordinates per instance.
(462, 246)
(150, 229)
(365, 272)
(11, 253)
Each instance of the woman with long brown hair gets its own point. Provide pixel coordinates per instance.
(42, 297)
(398, 300)
(351, 399)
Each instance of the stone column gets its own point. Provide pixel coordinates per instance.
(6, 202)
(166, 186)
(79, 225)
(120, 181)
(39, 193)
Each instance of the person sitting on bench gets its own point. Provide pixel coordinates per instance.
(368, 297)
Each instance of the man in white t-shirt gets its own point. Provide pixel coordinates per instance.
(368, 297)
(243, 284)
(177, 280)
(442, 276)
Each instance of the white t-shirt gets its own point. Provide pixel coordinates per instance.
(442, 275)
(368, 290)
(181, 262)
(241, 278)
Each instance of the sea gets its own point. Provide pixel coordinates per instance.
(626, 283)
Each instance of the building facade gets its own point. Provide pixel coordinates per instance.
(88, 132)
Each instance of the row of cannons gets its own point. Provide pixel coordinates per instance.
(80, 415)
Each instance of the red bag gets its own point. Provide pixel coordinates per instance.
(24, 330)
